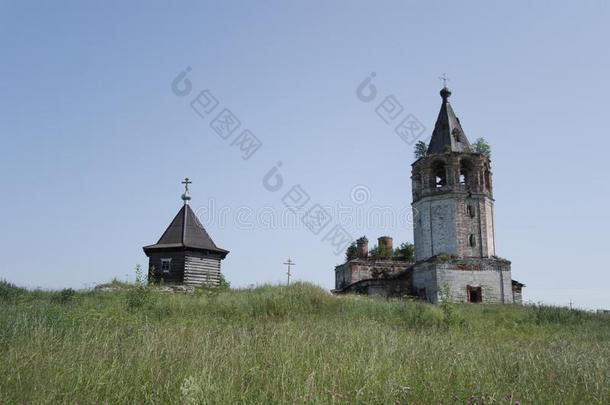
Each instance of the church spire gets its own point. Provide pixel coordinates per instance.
(448, 135)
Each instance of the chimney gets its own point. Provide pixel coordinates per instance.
(362, 248)
(387, 242)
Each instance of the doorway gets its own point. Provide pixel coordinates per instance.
(474, 294)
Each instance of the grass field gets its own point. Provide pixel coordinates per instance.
(294, 344)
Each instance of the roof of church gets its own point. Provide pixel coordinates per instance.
(448, 135)
(185, 231)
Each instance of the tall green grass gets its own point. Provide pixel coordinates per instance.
(295, 344)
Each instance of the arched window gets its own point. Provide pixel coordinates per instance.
(465, 171)
(487, 177)
(470, 210)
(472, 240)
(439, 174)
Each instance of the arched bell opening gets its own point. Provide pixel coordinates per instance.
(439, 174)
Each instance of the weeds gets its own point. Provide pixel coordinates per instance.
(139, 295)
(294, 344)
(10, 292)
(64, 296)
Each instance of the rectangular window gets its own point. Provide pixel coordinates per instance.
(166, 265)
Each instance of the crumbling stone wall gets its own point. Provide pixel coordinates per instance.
(455, 215)
(493, 276)
(362, 269)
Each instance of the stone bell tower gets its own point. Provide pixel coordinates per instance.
(453, 211)
(452, 194)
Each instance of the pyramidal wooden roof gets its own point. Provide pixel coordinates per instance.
(448, 135)
(185, 232)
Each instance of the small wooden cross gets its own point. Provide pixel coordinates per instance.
(289, 263)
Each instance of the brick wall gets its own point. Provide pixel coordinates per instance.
(493, 276)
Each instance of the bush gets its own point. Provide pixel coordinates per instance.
(351, 252)
(381, 252)
(482, 146)
(10, 292)
(421, 148)
(64, 296)
(139, 295)
(406, 252)
(224, 284)
(212, 290)
(449, 308)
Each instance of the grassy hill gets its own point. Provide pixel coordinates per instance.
(293, 344)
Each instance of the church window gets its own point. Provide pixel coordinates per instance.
(439, 174)
(166, 265)
(472, 241)
(474, 294)
(470, 210)
(465, 171)
(487, 178)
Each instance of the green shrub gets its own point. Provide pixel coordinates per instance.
(9, 291)
(482, 146)
(406, 252)
(548, 314)
(351, 252)
(449, 308)
(421, 149)
(381, 252)
(139, 294)
(64, 296)
(224, 283)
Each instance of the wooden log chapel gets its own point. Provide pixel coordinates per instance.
(185, 253)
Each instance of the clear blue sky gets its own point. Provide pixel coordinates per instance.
(95, 143)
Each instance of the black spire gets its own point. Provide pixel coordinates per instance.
(448, 135)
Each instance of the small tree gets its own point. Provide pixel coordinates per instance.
(421, 148)
(351, 252)
(224, 284)
(381, 252)
(406, 252)
(482, 146)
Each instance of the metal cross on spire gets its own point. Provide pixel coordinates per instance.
(445, 79)
(289, 263)
(186, 196)
(186, 183)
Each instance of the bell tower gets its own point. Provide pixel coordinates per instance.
(452, 194)
(453, 212)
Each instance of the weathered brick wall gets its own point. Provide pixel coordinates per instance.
(493, 276)
(424, 281)
(435, 226)
(454, 216)
(362, 269)
(396, 285)
(443, 224)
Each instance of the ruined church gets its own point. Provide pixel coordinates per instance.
(453, 228)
